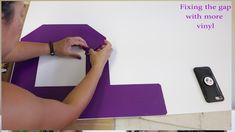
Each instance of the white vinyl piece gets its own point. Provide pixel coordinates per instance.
(55, 71)
(153, 42)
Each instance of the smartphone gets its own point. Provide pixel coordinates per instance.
(209, 86)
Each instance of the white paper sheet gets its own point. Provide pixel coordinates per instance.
(153, 43)
(60, 71)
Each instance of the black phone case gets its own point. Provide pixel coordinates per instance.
(212, 92)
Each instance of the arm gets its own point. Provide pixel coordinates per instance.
(27, 50)
(88, 84)
(51, 114)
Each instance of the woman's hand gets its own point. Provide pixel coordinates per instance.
(64, 46)
(99, 57)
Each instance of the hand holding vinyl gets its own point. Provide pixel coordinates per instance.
(64, 47)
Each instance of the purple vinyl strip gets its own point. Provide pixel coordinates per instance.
(108, 100)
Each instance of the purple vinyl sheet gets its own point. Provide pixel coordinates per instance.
(108, 100)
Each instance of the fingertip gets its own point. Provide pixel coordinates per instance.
(91, 50)
(98, 49)
(105, 42)
(86, 45)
